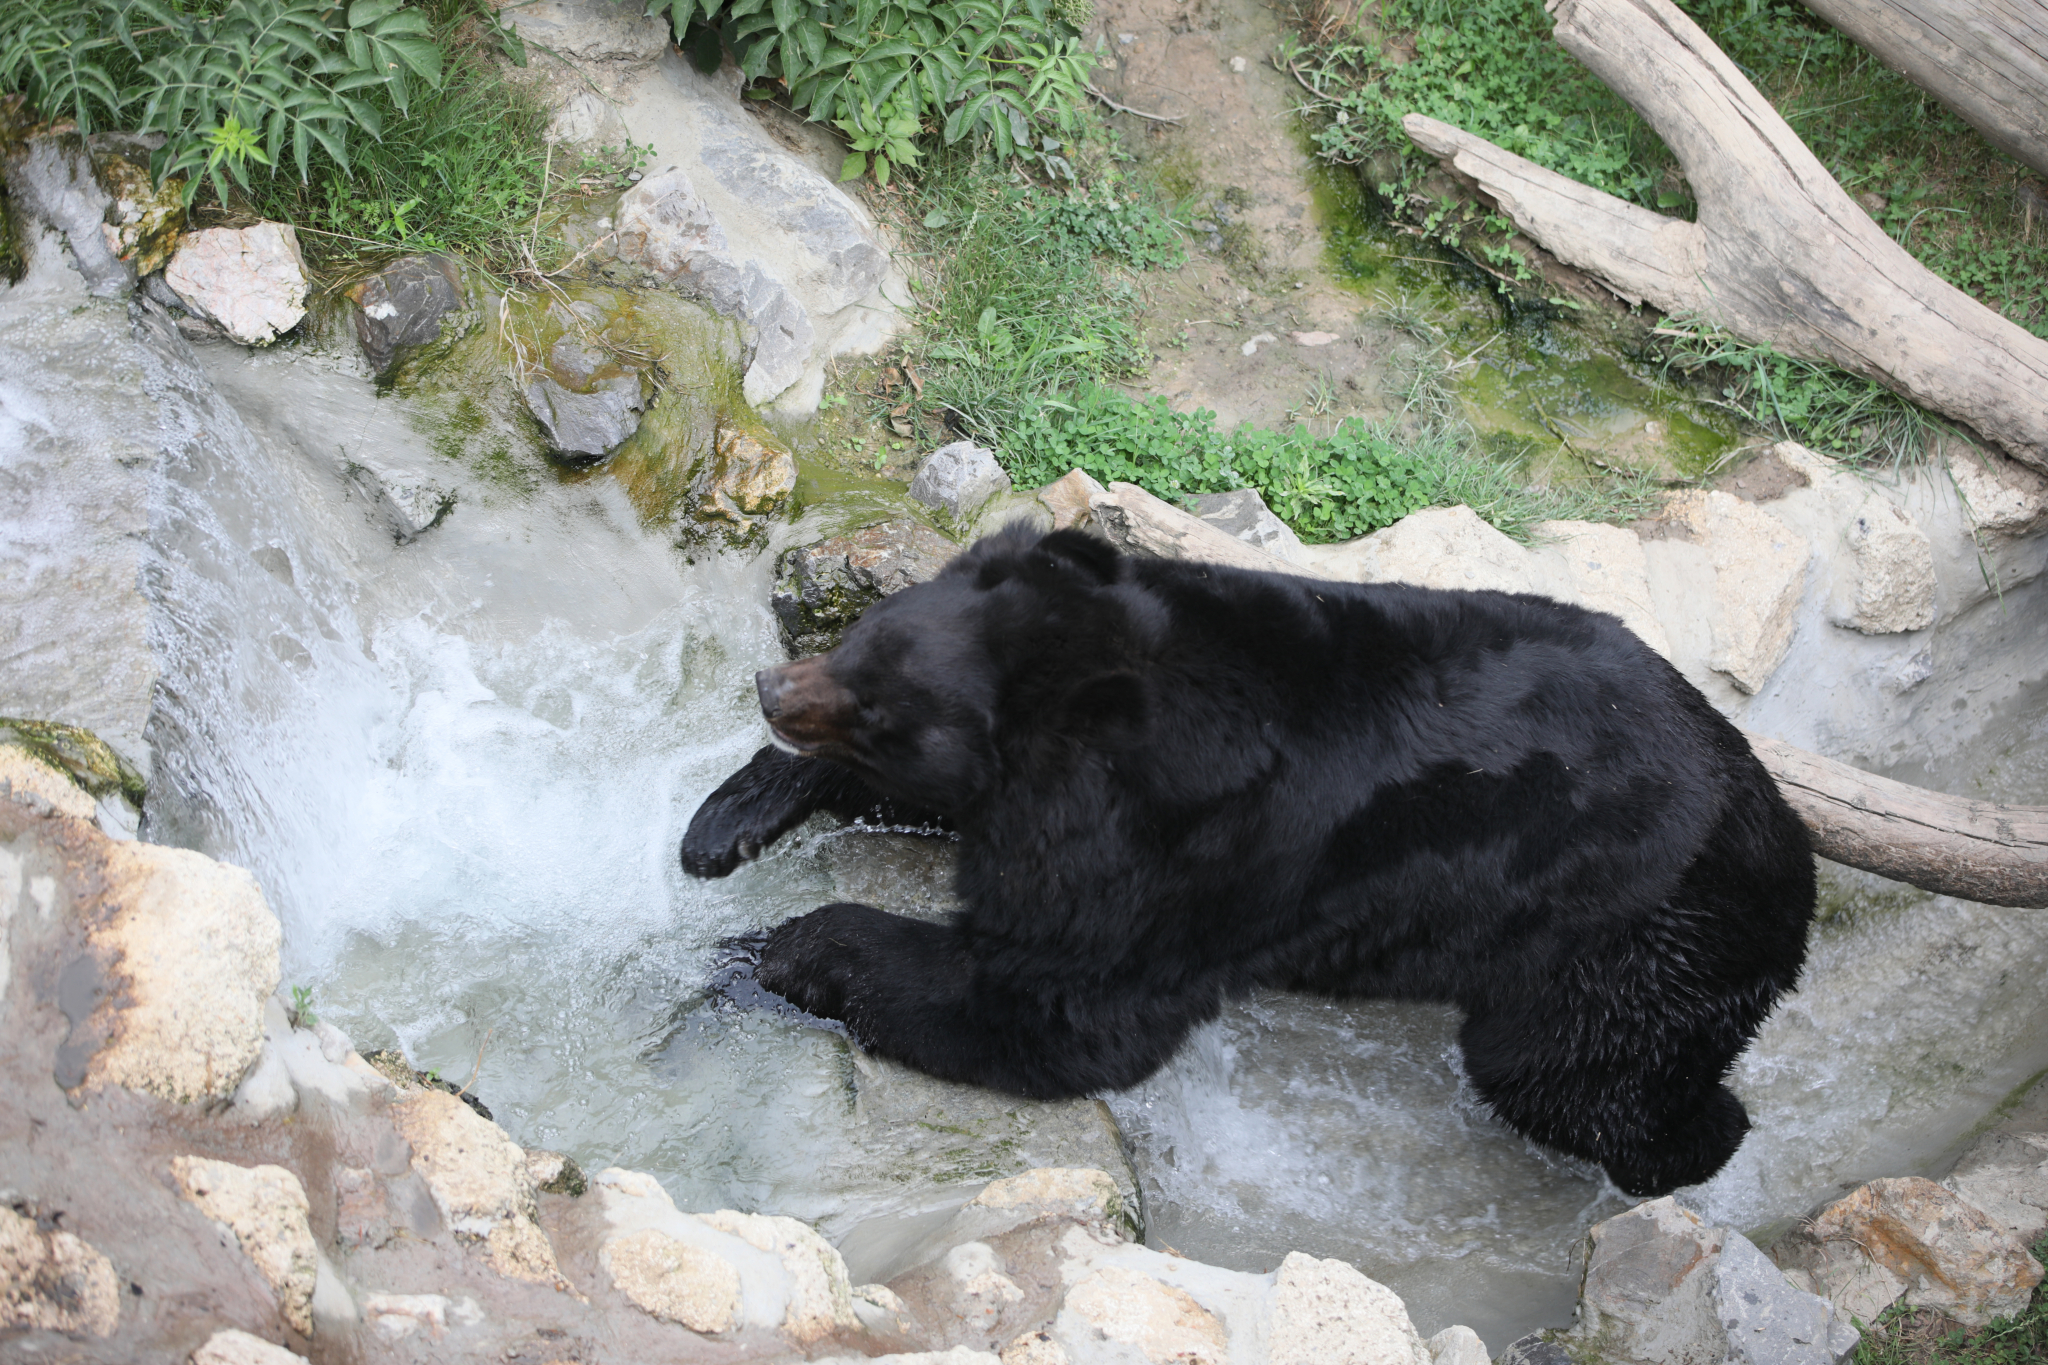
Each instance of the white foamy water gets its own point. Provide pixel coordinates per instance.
(460, 768)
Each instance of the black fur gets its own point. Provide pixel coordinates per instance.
(1175, 782)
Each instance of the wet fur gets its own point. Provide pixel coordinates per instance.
(1177, 782)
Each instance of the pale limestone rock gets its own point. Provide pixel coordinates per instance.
(1457, 1346)
(1067, 498)
(2000, 496)
(1911, 1238)
(231, 1346)
(1165, 1324)
(196, 950)
(22, 771)
(479, 1181)
(1893, 587)
(265, 1208)
(252, 281)
(1602, 568)
(820, 1298)
(396, 1316)
(1034, 1348)
(959, 1355)
(1664, 1288)
(1086, 1196)
(1759, 568)
(2006, 1176)
(1138, 523)
(54, 1282)
(1437, 547)
(674, 1281)
(1326, 1312)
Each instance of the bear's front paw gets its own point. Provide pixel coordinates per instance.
(814, 960)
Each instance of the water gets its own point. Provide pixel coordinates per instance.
(460, 768)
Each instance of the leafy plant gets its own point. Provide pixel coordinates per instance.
(300, 1013)
(227, 90)
(1004, 70)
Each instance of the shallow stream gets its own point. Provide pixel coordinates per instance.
(460, 768)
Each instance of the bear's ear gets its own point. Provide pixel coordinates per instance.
(1091, 554)
(1107, 711)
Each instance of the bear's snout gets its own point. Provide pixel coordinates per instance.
(805, 709)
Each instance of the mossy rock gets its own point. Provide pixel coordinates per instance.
(82, 755)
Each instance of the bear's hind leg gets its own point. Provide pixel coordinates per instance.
(1651, 1110)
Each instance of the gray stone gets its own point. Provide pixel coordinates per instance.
(1892, 585)
(958, 479)
(402, 305)
(592, 419)
(51, 183)
(250, 282)
(1457, 1346)
(408, 505)
(821, 589)
(2006, 1176)
(1535, 1349)
(727, 215)
(1244, 514)
(1767, 1320)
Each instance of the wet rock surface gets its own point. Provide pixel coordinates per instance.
(585, 402)
(821, 589)
(746, 481)
(403, 305)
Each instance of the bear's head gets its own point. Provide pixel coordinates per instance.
(1023, 638)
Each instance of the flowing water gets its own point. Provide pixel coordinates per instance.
(460, 767)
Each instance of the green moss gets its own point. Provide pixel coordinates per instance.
(82, 755)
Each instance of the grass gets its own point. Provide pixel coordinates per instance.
(1026, 340)
(1491, 67)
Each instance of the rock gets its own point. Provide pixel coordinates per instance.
(1911, 1238)
(394, 1317)
(1602, 568)
(1536, 1349)
(50, 181)
(1088, 1197)
(143, 221)
(720, 1272)
(402, 305)
(822, 589)
(231, 1346)
(186, 953)
(959, 1355)
(2006, 1177)
(744, 482)
(554, 1173)
(1999, 495)
(1326, 1312)
(586, 402)
(1068, 498)
(1244, 514)
(479, 1181)
(251, 282)
(265, 1208)
(1457, 1346)
(957, 479)
(1893, 585)
(410, 506)
(54, 1282)
(1034, 1348)
(674, 1281)
(1138, 523)
(22, 771)
(1166, 1325)
(1437, 547)
(1664, 1288)
(727, 215)
(1759, 570)
(820, 1298)
(88, 762)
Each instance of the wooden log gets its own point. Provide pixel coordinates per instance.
(1985, 59)
(1946, 844)
(1780, 254)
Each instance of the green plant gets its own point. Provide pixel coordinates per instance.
(226, 90)
(890, 70)
(1815, 404)
(300, 1012)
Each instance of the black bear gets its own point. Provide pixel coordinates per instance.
(1174, 782)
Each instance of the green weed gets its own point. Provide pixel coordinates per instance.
(299, 1014)
(1922, 1336)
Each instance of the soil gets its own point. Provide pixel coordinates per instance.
(1259, 268)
